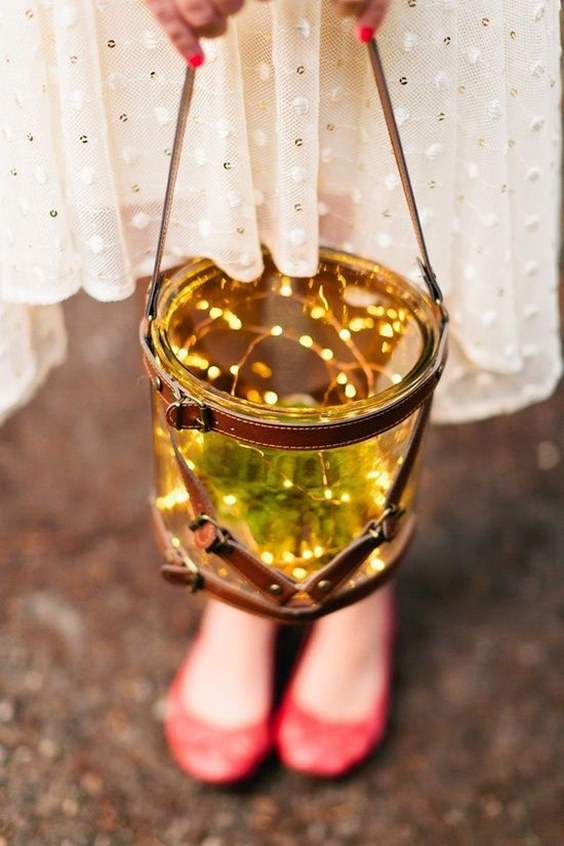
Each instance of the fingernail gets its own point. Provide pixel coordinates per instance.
(196, 60)
(365, 34)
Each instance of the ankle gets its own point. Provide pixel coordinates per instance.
(221, 622)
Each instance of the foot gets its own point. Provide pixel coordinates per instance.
(336, 709)
(218, 714)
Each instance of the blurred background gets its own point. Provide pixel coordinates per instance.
(90, 637)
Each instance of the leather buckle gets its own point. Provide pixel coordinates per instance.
(386, 527)
(222, 537)
(202, 423)
(179, 569)
(179, 574)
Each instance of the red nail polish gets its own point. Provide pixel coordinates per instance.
(365, 34)
(196, 60)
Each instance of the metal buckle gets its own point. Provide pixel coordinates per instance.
(173, 414)
(222, 536)
(204, 424)
(380, 529)
(181, 570)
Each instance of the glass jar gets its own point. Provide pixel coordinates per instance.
(354, 338)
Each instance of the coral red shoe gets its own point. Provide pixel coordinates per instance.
(210, 753)
(330, 749)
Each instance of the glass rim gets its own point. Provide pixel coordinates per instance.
(422, 309)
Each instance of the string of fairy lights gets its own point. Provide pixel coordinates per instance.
(196, 324)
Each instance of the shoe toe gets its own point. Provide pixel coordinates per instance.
(212, 754)
(326, 749)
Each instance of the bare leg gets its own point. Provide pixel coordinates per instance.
(335, 712)
(345, 667)
(229, 684)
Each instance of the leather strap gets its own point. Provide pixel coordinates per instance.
(183, 412)
(424, 261)
(181, 120)
(395, 140)
(270, 582)
(181, 570)
(376, 532)
(216, 539)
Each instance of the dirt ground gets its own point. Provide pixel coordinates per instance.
(91, 636)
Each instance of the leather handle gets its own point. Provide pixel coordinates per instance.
(182, 119)
(395, 140)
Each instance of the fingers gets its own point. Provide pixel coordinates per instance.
(370, 21)
(186, 21)
(369, 14)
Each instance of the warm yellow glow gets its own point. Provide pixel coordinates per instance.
(230, 499)
(286, 289)
(261, 369)
(327, 354)
(183, 353)
(234, 369)
(233, 321)
(344, 335)
(177, 496)
(377, 311)
(276, 330)
(328, 493)
(307, 554)
(342, 379)
(287, 556)
(267, 557)
(318, 312)
(202, 305)
(357, 324)
(350, 391)
(216, 312)
(377, 564)
(213, 372)
(345, 497)
(318, 551)
(287, 483)
(299, 573)
(270, 397)
(175, 542)
(396, 378)
(254, 396)
(194, 360)
(306, 341)
(386, 330)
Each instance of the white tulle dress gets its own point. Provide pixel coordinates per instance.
(286, 146)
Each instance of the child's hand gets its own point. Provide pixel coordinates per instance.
(369, 14)
(186, 21)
